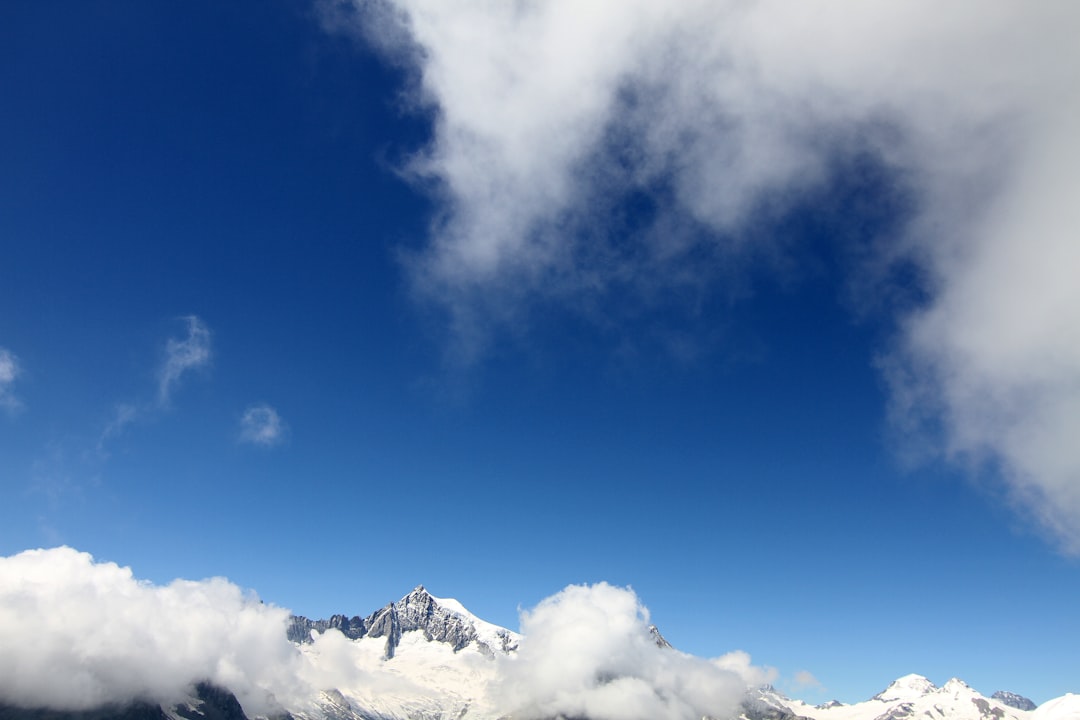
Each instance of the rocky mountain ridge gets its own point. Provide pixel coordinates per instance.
(1013, 700)
(439, 621)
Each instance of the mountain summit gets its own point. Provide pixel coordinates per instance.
(908, 687)
(443, 620)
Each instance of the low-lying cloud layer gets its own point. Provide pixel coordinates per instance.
(78, 634)
(554, 119)
(588, 653)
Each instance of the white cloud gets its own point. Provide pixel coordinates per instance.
(124, 414)
(79, 633)
(9, 371)
(588, 652)
(183, 355)
(261, 425)
(725, 115)
(805, 679)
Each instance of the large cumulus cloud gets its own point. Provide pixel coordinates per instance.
(77, 634)
(588, 652)
(719, 117)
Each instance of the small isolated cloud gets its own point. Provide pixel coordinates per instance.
(805, 680)
(9, 371)
(183, 355)
(588, 652)
(80, 633)
(261, 425)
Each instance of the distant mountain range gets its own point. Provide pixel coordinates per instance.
(912, 697)
(428, 658)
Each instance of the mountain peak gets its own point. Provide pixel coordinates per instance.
(442, 620)
(908, 687)
(1013, 700)
(955, 685)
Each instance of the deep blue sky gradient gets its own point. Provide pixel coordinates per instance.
(729, 458)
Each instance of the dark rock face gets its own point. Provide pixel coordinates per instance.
(1013, 700)
(212, 703)
(299, 630)
(416, 611)
(216, 704)
(134, 711)
(419, 611)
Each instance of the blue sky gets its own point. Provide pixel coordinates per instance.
(497, 332)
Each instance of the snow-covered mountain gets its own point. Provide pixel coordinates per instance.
(421, 658)
(445, 659)
(912, 697)
(428, 658)
(442, 620)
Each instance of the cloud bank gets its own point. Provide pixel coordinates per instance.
(183, 355)
(262, 425)
(588, 652)
(9, 371)
(640, 146)
(78, 633)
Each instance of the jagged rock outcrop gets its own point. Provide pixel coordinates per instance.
(659, 639)
(300, 627)
(416, 611)
(1013, 700)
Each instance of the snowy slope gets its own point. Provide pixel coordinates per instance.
(422, 657)
(429, 658)
(912, 697)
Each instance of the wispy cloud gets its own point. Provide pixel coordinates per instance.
(124, 414)
(720, 117)
(262, 425)
(183, 355)
(804, 679)
(9, 371)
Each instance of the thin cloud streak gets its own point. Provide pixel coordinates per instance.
(182, 356)
(124, 414)
(9, 372)
(727, 115)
